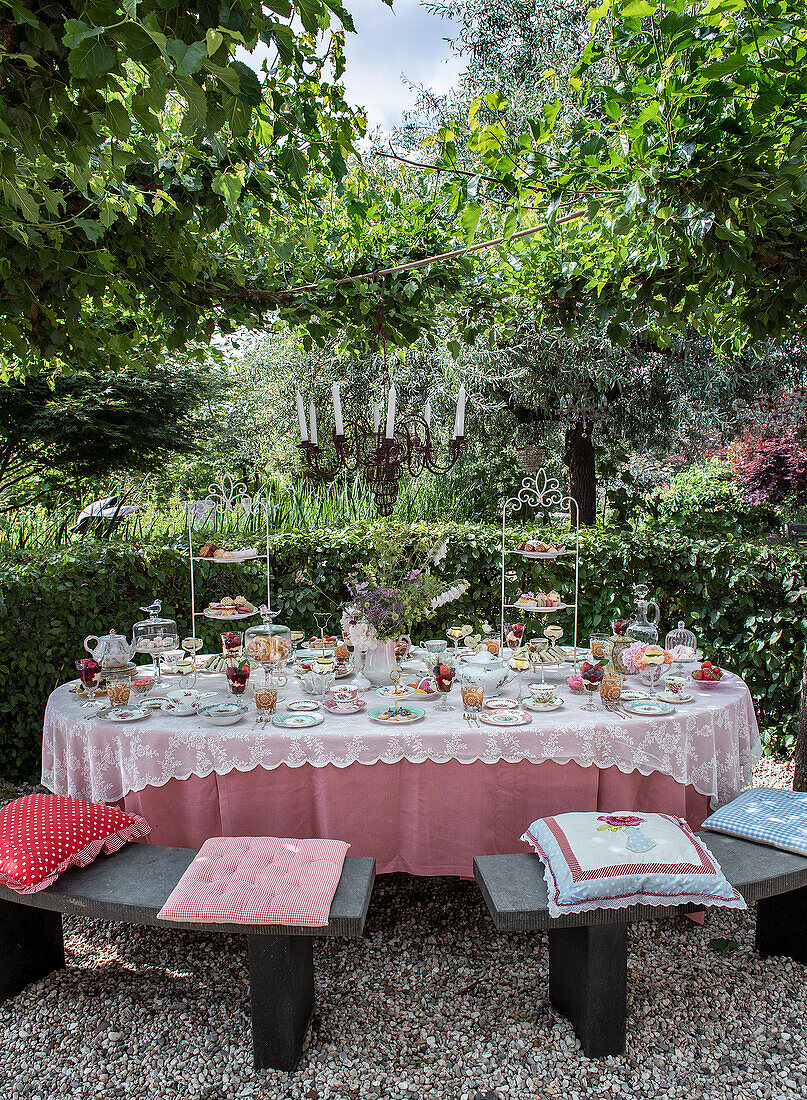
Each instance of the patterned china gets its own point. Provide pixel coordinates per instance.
(648, 708)
(675, 697)
(302, 705)
(292, 720)
(345, 708)
(542, 708)
(505, 718)
(123, 714)
(223, 714)
(402, 715)
(500, 702)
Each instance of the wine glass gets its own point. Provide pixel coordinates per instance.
(456, 633)
(519, 663)
(444, 672)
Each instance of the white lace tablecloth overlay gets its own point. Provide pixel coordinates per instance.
(711, 744)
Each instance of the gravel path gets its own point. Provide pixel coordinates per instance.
(432, 1002)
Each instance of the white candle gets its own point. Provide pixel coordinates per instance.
(391, 413)
(301, 418)
(339, 426)
(376, 416)
(314, 439)
(427, 413)
(459, 419)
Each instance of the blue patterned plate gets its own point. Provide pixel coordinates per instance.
(648, 708)
(406, 714)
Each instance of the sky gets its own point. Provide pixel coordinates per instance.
(389, 44)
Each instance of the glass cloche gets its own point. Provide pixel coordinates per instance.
(682, 644)
(155, 636)
(268, 643)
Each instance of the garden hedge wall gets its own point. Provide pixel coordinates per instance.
(747, 603)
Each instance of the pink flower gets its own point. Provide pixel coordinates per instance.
(620, 821)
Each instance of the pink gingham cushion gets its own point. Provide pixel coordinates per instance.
(259, 880)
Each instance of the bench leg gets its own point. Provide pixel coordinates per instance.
(281, 982)
(588, 981)
(31, 945)
(782, 925)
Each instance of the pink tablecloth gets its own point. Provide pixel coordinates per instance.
(425, 818)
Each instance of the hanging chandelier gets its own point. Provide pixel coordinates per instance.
(382, 454)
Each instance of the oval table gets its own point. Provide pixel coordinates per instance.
(424, 798)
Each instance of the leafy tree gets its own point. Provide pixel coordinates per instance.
(771, 466)
(53, 431)
(140, 159)
(682, 140)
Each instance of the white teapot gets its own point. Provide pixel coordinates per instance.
(316, 683)
(110, 650)
(490, 671)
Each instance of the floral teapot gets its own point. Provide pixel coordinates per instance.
(490, 671)
(110, 650)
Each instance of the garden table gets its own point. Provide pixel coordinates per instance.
(424, 798)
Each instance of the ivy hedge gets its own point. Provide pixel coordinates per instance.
(746, 601)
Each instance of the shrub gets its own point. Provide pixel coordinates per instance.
(705, 500)
(746, 602)
(771, 467)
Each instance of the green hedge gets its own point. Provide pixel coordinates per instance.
(746, 602)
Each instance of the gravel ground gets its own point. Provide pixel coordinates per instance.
(432, 1002)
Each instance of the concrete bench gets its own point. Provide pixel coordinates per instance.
(588, 952)
(132, 886)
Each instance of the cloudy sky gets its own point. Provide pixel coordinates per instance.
(390, 44)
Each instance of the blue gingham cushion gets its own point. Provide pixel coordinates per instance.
(767, 815)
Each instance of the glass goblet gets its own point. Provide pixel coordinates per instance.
(520, 665)
(232, 643)
(237, 678)
(88, 670)
(591, 686)
(444, 674)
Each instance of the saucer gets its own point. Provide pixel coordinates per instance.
(331, 706)
(500, 702)
(542, 708)
(303, 704)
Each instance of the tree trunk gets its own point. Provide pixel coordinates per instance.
(579, 457)
(800, 774)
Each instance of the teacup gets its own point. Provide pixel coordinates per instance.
(345, 697)
(182, 701)
(675, 685)
(543, 694)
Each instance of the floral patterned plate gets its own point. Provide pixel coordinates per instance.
(633, 693)
(123, 714)
(542, 708)
(648, 707)
(499, 702)
(303, 704)
(297, 721)
(404, 716)
(505, 718)
(331, 706)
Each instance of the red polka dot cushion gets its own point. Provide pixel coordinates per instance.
(42, 835)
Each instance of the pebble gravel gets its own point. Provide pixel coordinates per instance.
(431, 1003)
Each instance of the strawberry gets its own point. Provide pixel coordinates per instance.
(707, 664)
(717, 671)
(697, 674)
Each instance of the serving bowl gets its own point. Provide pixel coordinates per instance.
(223, 714)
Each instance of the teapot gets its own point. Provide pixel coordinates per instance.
(110, 650)
(490, 671)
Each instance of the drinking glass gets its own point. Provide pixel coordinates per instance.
(118, 692)
(444, 673)
(265, 701)
(237, 678)
(473, 696)
(232, 643)
(88, 670)
(596, 644)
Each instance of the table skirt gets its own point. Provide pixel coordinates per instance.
(425, 818)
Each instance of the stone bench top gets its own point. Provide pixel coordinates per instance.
(515, 890)
(133, 884)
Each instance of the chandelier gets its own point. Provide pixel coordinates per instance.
(385, 453)
(588, 409)
(382, 454)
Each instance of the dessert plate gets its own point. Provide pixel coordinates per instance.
(404, 716)
(633, 693)
(308, 654)
(499, 702)
(122, 714)
(331, 706)
(303, 705)
(229, 618)
(648, 707)
(297, 721)
(505, 718)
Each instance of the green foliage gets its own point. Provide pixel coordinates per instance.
(680, 135)
(139, 160)
(704, 501)
(58, 430)
(747, 603)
